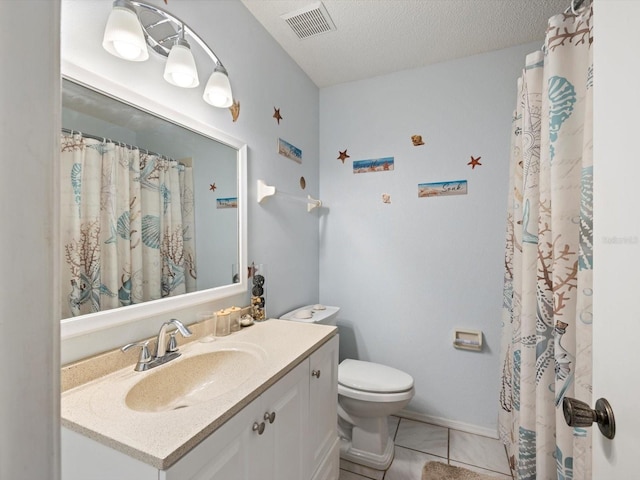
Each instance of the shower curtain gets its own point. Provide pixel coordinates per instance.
(546, 333)
(127, 226)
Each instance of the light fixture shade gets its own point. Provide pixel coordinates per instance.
(123, 35)
(180, 69)
(218, 90)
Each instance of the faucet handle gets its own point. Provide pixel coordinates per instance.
(172, 345)
(145, 356)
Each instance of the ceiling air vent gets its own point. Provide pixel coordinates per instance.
(310, 20)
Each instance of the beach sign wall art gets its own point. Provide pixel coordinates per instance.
(442, 189)
(373, 165)
(289, 150)
(230, 202)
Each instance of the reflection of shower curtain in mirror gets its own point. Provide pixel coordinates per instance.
(127, 226)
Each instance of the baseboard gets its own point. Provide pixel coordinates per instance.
(445, 422)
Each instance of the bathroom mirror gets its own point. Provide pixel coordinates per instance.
(101, 115)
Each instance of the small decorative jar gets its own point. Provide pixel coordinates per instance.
(234, 319)
(223, 324)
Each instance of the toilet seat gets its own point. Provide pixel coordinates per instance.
(373, 377)
(373, 382)
(373, 396)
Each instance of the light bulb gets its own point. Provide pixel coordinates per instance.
(182, 79)
(218, 90)
(218, 99)
(180, 69)
(123, 36)
(126, 50)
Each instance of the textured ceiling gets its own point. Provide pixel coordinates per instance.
(376, 37)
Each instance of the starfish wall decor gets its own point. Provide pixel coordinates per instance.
(276, 114)
(474, 161)
(343, 155)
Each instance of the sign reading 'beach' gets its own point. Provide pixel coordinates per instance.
(373, 165)
(441, 189)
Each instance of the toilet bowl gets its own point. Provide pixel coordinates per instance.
(367, 394)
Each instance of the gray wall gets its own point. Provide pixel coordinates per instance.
(29, 365)
(406, 274)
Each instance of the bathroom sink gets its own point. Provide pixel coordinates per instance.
(193, 380)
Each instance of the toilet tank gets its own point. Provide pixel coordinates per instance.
(317, 313)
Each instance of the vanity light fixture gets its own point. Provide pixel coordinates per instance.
(123, 36)
(134, 27)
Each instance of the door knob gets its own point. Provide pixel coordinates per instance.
(580, 414)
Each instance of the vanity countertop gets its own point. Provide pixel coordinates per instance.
(97, 409)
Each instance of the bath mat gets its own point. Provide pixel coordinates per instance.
(442, 471)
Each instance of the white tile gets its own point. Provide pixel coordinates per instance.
(345, 475)
(479, 470)
(423, 437)
(477, 450)
(407, 464)
(361, 470)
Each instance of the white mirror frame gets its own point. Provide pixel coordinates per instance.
(85, 324)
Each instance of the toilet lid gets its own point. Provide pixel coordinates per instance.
(373, 377)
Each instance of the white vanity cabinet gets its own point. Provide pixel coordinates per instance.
(250, 446)
(300, 443)
(289, 432)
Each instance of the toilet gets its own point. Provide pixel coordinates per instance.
(367, 394)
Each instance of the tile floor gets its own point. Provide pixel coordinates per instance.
(417, 443)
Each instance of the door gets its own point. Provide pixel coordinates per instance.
(616, 328)
(284, 440)
(226, 454)
(323, 401)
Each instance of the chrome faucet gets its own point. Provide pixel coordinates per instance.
(165, 351)
(162, 348)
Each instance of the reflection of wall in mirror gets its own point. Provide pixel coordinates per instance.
(96, 126)
(222, 232)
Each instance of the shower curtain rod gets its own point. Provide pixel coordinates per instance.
(105, 139)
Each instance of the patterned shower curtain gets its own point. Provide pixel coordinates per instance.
(546, 334)
(127, 226)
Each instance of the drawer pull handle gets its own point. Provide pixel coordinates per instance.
(269, 417)
(315, 373)
(258, 427)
